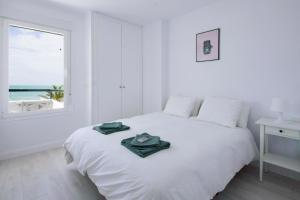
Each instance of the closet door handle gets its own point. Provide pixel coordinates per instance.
(123, 86)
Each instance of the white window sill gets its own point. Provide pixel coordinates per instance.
(35, 114)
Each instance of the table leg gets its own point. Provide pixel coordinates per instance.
(266, 148)
(261, 149)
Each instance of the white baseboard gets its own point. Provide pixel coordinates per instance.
(279, 170)
(31, 149)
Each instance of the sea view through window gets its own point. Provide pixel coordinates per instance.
(36, 71)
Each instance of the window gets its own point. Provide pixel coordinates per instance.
(35, 74)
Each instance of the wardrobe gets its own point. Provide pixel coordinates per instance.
(116, 69)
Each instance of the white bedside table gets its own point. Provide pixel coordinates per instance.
(286, 129)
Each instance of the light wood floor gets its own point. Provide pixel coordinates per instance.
(45, 176)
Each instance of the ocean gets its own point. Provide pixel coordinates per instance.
(14, 96)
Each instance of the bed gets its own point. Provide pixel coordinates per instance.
(201, 161)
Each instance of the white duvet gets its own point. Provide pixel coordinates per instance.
(201, 161)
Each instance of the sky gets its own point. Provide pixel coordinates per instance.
(35, 58)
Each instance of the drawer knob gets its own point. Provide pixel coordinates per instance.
(280, 131)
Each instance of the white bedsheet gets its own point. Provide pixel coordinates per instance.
(201, 161)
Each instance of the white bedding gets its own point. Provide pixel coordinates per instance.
(202, 159)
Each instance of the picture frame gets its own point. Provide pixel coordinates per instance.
(208, 45)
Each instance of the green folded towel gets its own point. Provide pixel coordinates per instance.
(111, 125)
(144, 151)
(107, 131)
(144, 140)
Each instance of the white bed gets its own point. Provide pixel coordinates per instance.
(201, 161)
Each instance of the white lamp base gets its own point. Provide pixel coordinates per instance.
(279, 117)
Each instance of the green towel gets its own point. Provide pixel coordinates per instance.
(145, 140)
(111, 125)
(110, 130)
(144, 151)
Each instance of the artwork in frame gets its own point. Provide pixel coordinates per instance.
(208, 46)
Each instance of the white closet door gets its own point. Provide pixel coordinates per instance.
(132, 70)
(107, 62)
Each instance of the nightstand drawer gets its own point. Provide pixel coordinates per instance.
(282, 132)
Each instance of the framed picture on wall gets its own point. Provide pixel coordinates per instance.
(208, 46)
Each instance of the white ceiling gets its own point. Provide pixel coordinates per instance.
(138, 11)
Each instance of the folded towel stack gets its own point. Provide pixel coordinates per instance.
(145, 140)
(112, 127)
(144, 144)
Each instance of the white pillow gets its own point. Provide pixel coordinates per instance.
(180, 106)
(244, 115)
(221, 111)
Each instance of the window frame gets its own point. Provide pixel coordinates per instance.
(5, 23)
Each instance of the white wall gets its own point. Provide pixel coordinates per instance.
(259, 57)
(23, 136)
(154, 66)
